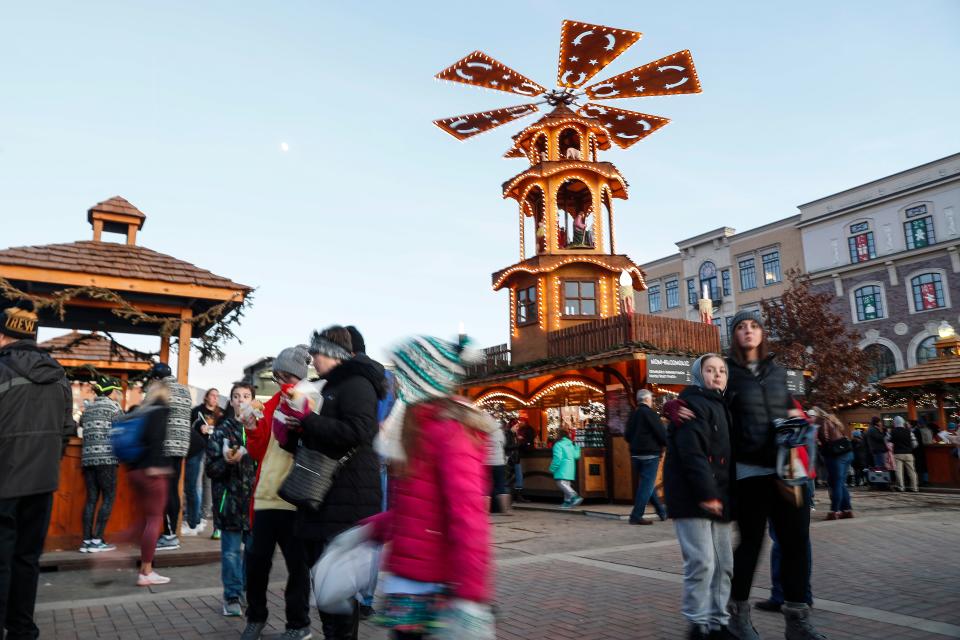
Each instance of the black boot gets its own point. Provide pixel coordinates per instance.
(698, 632)
(337, 627)
(518, 496)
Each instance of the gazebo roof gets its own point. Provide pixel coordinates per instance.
(119, 206)
(76, 349)
(114, 260)
(940, 370)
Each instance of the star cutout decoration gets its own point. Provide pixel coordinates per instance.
(574, 58)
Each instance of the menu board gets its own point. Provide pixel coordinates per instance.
(796, 385)
(664, 369)
(617, 402)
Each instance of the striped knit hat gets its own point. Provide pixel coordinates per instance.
(429, 367)
(425, 368)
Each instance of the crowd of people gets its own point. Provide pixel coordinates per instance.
(309, 472)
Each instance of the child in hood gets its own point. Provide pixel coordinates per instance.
(564, 468)
(696, 477)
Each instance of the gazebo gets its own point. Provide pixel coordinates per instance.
(119, 287)
(940, 378)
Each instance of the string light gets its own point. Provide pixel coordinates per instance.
(491, 395)
(603, 297)
(631, 268)
(556, 303)
(541, 316)
(607, 172)
(546, 123)
(513, 312)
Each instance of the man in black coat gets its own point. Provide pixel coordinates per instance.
(647, 437)
(36, 406)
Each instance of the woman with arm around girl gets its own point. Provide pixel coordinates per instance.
(757, 395)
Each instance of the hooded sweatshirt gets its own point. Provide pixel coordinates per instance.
(36, 406)
(697, 465)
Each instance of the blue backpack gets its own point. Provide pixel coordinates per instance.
(127, 436)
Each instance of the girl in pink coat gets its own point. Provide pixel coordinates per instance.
(439, 562)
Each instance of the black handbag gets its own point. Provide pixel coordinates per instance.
(310, 478)
(839, 447)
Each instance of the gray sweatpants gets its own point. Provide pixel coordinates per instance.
(707, 569)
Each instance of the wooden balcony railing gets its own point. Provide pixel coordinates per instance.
(495, 359)
(659, 334)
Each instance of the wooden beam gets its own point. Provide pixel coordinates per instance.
(80, 279)
(103, 365)
(165, 349)
(147, 307)
(183, 355)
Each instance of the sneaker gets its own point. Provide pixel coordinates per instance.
(296, 634)
(151, 579)
(232, 608)
(201, 526)
(846, 515)
(253, 631)
(833, 515)
(576, 501)
(187, 530)
(98, 547)
(85, 546)
(566, 505)
(215, 535)
(168, 543)
(641, 521)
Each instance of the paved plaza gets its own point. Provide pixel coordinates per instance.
(891, 573)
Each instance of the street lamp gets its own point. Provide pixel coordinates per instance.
(945, 330)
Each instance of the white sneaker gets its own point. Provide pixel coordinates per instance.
(188, 531)
(201, 526)
(151, 579)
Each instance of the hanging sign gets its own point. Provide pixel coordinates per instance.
(796, 384)
(663, 369)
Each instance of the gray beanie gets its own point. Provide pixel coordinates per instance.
(293, 360)
(745, 315)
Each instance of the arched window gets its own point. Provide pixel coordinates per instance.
(540, 148)
(927, 291)
(882, 362)
(570, 145)
(927, 350)
(533, 206)
(708, 280)
(575, 202)
(868, 302)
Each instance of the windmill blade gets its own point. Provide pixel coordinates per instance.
(480, 70)
(585, 49)
(626, 127)
(469, 125)
(670, 75)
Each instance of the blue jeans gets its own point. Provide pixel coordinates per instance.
(192, 488)
(776, 589)
(646, 471)
(518, 476)
(232, 564)
(837, 468)
(366, 597)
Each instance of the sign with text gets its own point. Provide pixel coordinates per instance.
(669, 369)
(796, 385)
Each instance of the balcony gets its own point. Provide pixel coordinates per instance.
(495, 358)
(654, 333)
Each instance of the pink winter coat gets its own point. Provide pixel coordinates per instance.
(437, 521)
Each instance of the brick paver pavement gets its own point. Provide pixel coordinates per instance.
(893, 573)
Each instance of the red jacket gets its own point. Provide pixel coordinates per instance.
(437, 521)
(259, 438)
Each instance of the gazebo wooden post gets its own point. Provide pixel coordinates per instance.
(124, 385)
(911, 408)
(165, 349)
(183, 356)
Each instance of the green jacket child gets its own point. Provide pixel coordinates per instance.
(565, 456)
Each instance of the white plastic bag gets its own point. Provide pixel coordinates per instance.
(347, 567)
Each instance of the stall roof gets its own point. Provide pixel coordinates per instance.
(941, 370)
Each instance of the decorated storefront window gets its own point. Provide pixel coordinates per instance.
(919, 233)
(869, 305)
(862, 247)
(927, 292)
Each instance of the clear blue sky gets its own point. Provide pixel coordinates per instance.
(374, 216)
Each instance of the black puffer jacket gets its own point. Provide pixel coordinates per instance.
(645, 432)
(36, 407)
(697, 466)
(755, 401)
(347, 420)
(902, 443)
